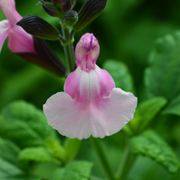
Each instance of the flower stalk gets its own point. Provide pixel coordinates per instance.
(68, 48)
(96, 143)
(126, 163)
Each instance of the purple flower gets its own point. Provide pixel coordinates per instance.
(90, 105)
(19, 40)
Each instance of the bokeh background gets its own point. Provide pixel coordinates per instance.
(127, 31)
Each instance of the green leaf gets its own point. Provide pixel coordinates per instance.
(72, 147)
(145, 113)
(38, 154)
(22, 123)
(120, 73)
(8, 159)
(78, 170)
(173, 107)
(151, 145)
(56, 149)
(8, 169)
(22, 178)
(162, 78)
(8, 150)
(95, 178)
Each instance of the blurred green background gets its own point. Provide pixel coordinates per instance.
(127, 31)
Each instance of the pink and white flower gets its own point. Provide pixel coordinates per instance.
(90, 105)
(19, 40)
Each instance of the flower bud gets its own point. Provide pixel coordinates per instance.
(38, 27)
(89, 11)
(56, 2)
(70, 18)
(87, 51)
(50, 9)
(65, 5)
(44, 57)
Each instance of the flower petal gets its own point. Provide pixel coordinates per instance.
(4, 27)
(72, 119)
(89, 86)
(113, 112)
(9, 9)
(20, 41)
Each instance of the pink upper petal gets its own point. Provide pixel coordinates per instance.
(4, 27)
(9, 9)
(19, 40)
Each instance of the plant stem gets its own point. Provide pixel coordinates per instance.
(68, 48)
(102, 157)
(126, 163)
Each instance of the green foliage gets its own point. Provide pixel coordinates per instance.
(8, 159)
(173, 107)
(162, 78)
(56, 149)
(151, 145)
(79, 170)
(24, 124)
(126, 31)
(72, 147)
(146, 112)
(38, 154)
(120, 73)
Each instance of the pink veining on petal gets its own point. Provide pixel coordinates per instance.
(92, 85)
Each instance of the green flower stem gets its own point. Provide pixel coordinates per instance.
(102, 157)
(126, 164)
(68, 48)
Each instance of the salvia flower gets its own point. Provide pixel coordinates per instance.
(24, 45)
(90, 105)
(19, 40)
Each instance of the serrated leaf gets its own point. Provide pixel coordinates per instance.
(151, 145)
(8, 169)
(8, 159)
(120, 73)
(145, 112)
(77, 170)
(22, 123)
(71, 148)
(8, 150)
(38, 154)
(162, 78)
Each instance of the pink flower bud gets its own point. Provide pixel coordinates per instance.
(87, 51)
